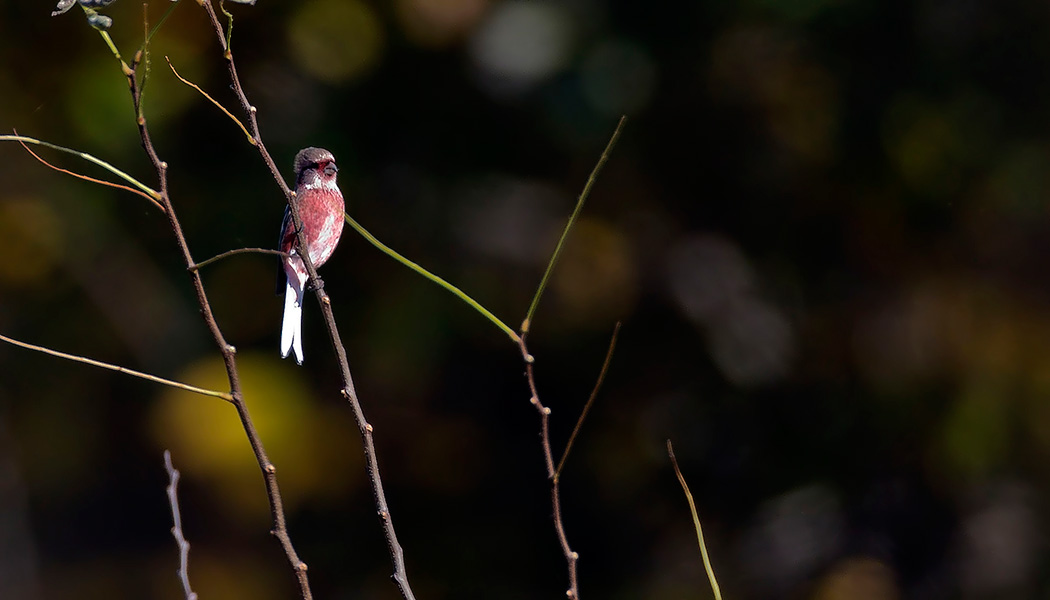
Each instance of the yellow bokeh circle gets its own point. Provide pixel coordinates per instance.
(335, 41)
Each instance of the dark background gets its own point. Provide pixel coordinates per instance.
(824, 230)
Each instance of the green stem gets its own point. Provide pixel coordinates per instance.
(418, 269)
(572, 220)
(696, 525)
(105, 165)
(112, 46)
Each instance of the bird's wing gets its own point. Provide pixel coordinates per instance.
(286, 225)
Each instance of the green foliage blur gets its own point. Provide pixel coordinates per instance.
(824, 231)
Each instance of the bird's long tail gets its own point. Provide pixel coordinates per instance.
(292, 327)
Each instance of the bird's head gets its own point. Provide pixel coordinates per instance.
(315, 167)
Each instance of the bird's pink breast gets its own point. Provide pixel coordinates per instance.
(321, 211)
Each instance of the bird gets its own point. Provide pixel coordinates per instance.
(321, 212)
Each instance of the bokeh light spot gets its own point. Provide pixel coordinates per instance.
(776, 74)
(206, 438)
(858, 579)
(750, 339)
(975, 435)
(335, 40)
(438, 22)
(521, 44)
(596, 278)
(925, 145)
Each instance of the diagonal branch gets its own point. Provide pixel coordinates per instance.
(427, 274)
(348, 391)
(119, 369)
(590, 401)
(251, 140)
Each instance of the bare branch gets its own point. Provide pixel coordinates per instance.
(176, 529)
(95, 363)
(571, 557)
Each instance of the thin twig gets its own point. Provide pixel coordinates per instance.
(696, 524)
(119, 369)
(348, 391)
(176, 529)
(84, 155)
(590, 401)
(553, 475)
(527, 323)
(251, 140)
(229, 253)
(228, 351)
(91, 179)
(438, 280)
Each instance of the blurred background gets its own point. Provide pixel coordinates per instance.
(824, 230)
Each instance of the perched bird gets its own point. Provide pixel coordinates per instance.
(321, 212)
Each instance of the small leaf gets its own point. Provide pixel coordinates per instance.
(63, 6)
(100, 22)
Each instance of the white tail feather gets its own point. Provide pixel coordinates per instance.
(292, 326)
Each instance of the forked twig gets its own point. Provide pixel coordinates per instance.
(696, 524)
(553, 475)
(91, 179)
(119, 369)
(84, 155)
(176, 528)
(571, 557)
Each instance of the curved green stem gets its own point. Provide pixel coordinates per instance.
(84, 155)
(418, 269)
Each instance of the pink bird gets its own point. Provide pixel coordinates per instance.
(321, 212)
